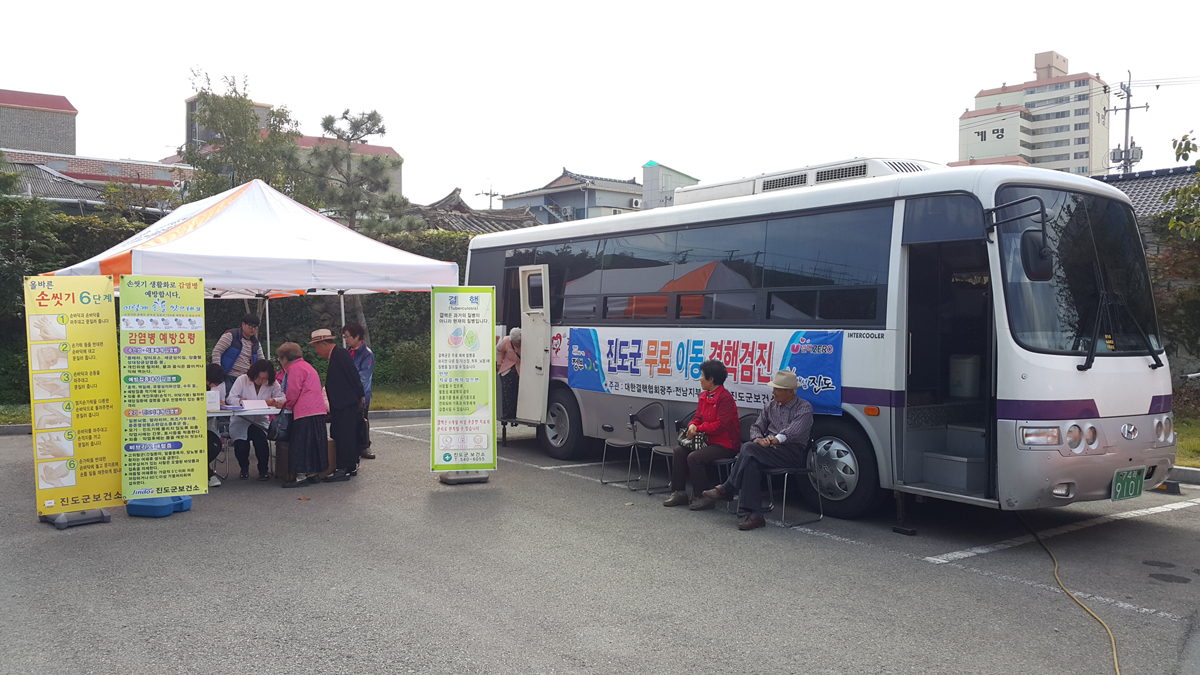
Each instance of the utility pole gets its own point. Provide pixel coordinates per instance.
(490, 193)
(1126, 156)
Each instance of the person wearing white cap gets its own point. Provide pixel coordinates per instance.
(778, 438)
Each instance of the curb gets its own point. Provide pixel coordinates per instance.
(1185, 474)
(27, 429)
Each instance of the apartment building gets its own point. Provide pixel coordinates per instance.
(1057, 121)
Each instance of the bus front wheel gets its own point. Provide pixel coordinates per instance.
(843, 470)
(561, 437)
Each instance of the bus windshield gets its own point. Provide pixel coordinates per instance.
(1095, 246)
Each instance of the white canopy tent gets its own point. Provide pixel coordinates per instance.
(254, 242)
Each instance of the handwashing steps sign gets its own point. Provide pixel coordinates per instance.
(73, 393)
(463, 378)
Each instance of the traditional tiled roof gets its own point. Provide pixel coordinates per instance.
(41, 181)
(452, 214)
(25, 99)
(1145, 188)
(572, 181)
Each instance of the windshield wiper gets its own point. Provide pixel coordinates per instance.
(1103, 284)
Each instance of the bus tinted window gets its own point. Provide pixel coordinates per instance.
(942, 218)
(574, 278)
(645, 262)
(718, 306)
(727, 257)
(846, 248)
(515, 257)
(636, 306)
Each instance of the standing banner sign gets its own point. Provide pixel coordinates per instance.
(73, 392)
(664, 363)
(163, 412)
(464, 378)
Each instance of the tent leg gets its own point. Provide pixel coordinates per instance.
(267, 302)
(342, 297)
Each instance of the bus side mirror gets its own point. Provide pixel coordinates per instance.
(1036, 259)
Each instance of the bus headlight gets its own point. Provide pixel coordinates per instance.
(1158, 430)
(1089, 436)
(1168, 429)
(1040, 435)
(1074, 438)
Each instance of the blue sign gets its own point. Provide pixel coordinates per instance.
(584, 370)
(815, 357)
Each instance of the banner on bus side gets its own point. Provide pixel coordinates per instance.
(665, 363)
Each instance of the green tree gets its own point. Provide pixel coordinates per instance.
(355, 188)
(1176, 269)
(238, 146)
(137, 202)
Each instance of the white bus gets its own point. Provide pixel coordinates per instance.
(980, 334)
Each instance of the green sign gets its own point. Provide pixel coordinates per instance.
(464, 378)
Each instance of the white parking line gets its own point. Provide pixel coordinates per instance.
(569, 466)
(1055, 531)
(402, 426)
(393, 433)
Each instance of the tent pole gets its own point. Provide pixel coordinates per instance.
(267, 302)
(342, 297)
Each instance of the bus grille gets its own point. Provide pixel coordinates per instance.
(785, 182)
(904, 167)
(842, 173)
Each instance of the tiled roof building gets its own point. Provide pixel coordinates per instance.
(1145, 189)
(575, 196)
(452, 214)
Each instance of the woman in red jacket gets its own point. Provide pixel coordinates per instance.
(716, 415)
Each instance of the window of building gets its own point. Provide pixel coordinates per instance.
(1026, 130)
(58, 164)
(1051, 116)
(112, 169)
(1082, 83)
(1079, 112)
(1082, 97)
(1052, 144)
(1081, 169)
(1083, 155)
(1026, 144)
(1051, 130)
(1051, 158)
(665, 183)
(162, 174)
(1047, 87)
(1082, 140)
(1048, 101)
(1081, 126)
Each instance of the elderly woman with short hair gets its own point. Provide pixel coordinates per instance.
(508, 364)
(308, 441)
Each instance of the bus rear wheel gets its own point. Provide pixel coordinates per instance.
(561, 437)
(843, 470)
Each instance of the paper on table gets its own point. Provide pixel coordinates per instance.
(252, 404)
(214, 400)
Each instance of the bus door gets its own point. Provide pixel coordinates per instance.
(949, 420)
(534, 384)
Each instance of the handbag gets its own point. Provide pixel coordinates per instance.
(281, 425)
(695, 442)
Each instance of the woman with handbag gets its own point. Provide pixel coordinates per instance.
(308, 440)
(713, 434)
(258, 384)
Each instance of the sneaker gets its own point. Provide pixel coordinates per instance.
(264, 476)
(337, 476)
(244, 474)
(213, 481)
(676, 499)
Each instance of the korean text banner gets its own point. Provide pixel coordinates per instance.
(664, 363)
(73, 392)
(464, 378)
(163, 411)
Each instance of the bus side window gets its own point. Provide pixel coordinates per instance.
(942, 218)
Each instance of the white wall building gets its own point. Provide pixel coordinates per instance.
(1057, 121)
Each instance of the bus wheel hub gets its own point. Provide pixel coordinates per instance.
(835, 468)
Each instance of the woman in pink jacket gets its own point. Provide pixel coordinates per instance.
(308, 440)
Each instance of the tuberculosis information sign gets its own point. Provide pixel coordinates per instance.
(464, 378)
(73, 392)
(163, 412)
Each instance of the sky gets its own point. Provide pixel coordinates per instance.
(502, 96)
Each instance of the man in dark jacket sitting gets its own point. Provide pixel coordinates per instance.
(346, 400)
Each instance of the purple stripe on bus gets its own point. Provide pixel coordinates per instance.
(558, 371)
(1046, 410)
(882, 397)
(1160, 404)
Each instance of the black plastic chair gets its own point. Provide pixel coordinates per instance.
(806, 470)
(667, 451)
(649, 418)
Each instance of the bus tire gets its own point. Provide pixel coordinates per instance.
(843, 469)
(561, 437)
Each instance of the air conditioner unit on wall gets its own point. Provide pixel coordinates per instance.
(635, 203)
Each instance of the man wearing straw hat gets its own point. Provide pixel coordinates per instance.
(778, 438)
(346, 399)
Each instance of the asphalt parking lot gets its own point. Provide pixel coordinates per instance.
(545, 570)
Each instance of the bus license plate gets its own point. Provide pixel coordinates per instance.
(1127, 483)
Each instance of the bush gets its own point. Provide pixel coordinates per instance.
(410, 362)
